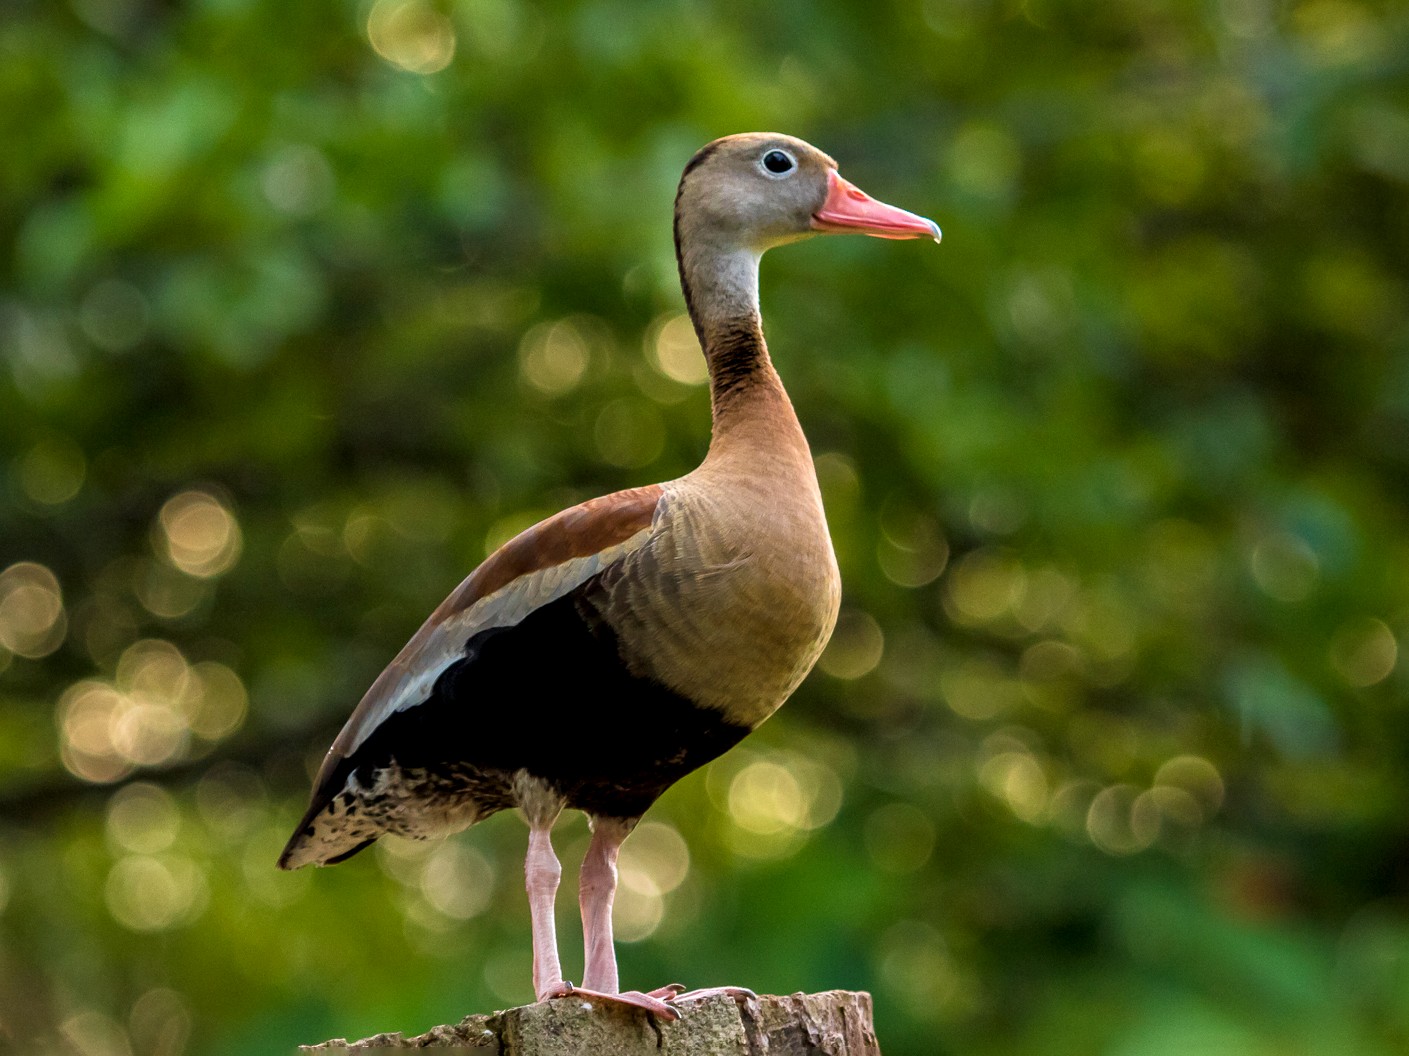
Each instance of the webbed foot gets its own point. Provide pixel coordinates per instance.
(631, 998)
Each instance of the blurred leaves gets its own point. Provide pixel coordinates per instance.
(304, 309)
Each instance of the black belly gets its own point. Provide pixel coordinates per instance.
(554, 697)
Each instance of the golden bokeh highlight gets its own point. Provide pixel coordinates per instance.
(674, 350)
(1197, 778)
(155, 893)
(912, 550)
(1175, 806)
(554, 357)
(219, 708)
(1050, 660)
(32, 618)
(1068, 806)
(984, 586)
(160, 1022)
(1017, 778)
(655, 855)
(167, 592)
(654, 862)
(914, 562)
(198, 535)
(637, 912)
(411, 34)
(767, 798)
(149, 713)
(457, 880)
(147, 734)
(1048, 596)
(1121, 821)
(856, 647)
(919, 972)
(85, 715)
(91, 1033)
(142, 818)
(1364, 652)
(774, 801)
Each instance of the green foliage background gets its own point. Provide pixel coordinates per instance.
(1114, 729)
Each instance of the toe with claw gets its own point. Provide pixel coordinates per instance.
(630, 998)
(736, 992)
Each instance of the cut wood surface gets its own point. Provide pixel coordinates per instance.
(834, 1023)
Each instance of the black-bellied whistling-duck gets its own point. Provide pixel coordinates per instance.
(601, 655)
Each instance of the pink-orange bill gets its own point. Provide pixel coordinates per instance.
(850, 209)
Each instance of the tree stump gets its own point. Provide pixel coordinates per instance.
(834, 1023)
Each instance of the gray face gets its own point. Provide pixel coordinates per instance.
(754, 191)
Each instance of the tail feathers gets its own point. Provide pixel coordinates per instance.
(329, 833)
(304, 850)
(339, 824)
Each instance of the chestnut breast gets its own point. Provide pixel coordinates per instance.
(735, 596)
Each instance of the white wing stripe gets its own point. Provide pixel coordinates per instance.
(507, 606)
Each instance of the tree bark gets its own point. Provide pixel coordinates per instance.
(834, 1023)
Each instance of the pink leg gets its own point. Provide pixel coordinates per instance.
(597, 888)
(541, 875)
(596, 891)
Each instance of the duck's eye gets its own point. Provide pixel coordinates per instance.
(778, 163)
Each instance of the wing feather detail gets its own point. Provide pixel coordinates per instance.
(537, 566)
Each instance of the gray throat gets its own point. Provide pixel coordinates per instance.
(720, 283)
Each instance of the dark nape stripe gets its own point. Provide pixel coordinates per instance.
(700, 157)
(736, 352)
(735, 355)
(680, 266)
(684, 282)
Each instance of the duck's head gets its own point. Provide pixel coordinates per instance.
(762, 189)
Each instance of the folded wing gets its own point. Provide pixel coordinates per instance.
(534, 569)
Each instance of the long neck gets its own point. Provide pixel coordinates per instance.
(749, 407)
